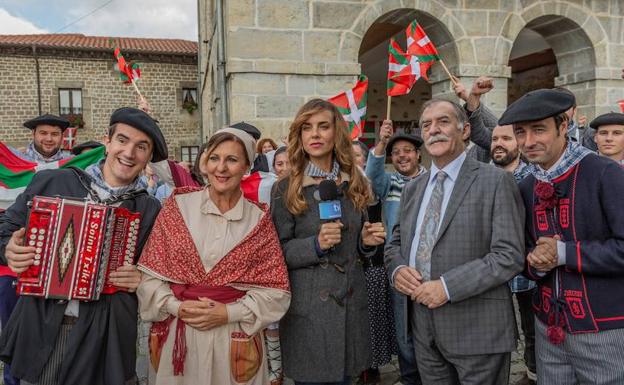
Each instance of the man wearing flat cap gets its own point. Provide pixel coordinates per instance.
(47, 140)
(45, 147)
(610, 135)
(51, 342)
(575, 245)
(404, 152)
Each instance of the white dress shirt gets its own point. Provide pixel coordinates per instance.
(452, 172)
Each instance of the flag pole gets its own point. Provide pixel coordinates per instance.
(451, 77)
(388, 107)
(137, 89)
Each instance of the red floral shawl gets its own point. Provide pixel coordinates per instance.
(256, 260)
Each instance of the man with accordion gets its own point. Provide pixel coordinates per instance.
(76, 319)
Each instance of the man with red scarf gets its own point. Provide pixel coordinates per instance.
(575, 244)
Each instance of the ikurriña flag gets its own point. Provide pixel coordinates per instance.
(352, 106)
(16, 173)
(419, 44)
(128, 72)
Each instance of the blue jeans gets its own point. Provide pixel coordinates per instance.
(346, 381)
(8, 299)
(407, 354)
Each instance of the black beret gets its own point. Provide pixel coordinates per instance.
(89, 145)
(609, 118)
(52, 120)
(142, 121)
(248, 128)
(537, 105)
(414, 139)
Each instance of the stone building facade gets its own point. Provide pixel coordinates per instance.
(280, 53)
(37, 72)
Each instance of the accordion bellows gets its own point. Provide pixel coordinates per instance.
(78, 243)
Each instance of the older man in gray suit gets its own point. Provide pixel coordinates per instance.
(458, 241)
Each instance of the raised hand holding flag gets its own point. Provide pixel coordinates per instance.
(352, 106)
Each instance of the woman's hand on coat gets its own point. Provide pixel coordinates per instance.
(127, 277)
(373, 234)
(204, 314)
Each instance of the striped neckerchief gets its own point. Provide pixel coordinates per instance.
(106, 192)
(573, 154)
(314, 171)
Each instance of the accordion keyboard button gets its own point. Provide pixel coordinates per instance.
(33, 230)
(41, 231)
(41, 237)
(37, 262)
(39, 243)
(31, 243)
(33, 237)
(38, 250)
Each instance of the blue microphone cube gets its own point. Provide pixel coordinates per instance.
(330, 210)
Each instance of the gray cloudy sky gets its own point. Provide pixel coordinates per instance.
(128, 18)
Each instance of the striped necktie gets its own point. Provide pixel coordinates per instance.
(429, 228)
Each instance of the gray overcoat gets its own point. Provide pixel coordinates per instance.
(325, 333)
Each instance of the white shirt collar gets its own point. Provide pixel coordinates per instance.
(451, 169)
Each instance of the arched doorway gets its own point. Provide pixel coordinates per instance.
(553, 51)
(373, 57)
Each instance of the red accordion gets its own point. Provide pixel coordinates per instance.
(77, 244)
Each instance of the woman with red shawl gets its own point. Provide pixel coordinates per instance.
(214, 276)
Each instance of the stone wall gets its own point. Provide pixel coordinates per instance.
(281, 53)
(102, 93)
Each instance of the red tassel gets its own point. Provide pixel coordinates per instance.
(556, 334)
(179, 349)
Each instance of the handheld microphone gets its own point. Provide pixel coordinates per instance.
(329, 206)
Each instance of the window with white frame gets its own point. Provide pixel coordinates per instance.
(189, 153)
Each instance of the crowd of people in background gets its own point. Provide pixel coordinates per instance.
(419, 262)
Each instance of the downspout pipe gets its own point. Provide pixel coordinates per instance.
(200, 80)
(34, 51)
(225, 113)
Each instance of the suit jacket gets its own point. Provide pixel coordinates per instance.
(480, 246)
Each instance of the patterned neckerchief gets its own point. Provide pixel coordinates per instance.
(104, 190)
(521, 171)
(33, 154)
(314, 171)
(573, 154)
(573, 131)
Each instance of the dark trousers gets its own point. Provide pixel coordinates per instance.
(407, 358)
(8, 299)
(527, 323)
(441, 367)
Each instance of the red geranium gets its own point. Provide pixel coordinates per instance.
(546, 195)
